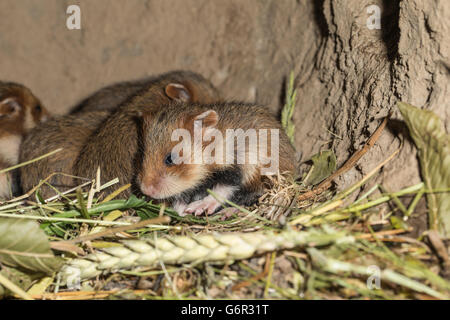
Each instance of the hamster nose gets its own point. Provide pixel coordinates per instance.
(148, 189)
(151, 187)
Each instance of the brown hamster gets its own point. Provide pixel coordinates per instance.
(68, 132)
(170, 170)
(100, 136)
(114, 147)
(110, 97)
(20, 111)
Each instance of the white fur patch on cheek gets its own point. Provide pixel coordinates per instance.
(173, 184)
(169, 186)
(9, 148)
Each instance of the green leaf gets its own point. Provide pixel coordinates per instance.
(433, 146)
(39, 196)
(134, 202)
(82, 205)
(324, 164)
(398, 223)
(24, 245)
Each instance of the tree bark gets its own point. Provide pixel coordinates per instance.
(359, 74)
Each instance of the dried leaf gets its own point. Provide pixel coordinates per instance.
(19, 278)
(433, 146)
(288, 110)
(24, 245)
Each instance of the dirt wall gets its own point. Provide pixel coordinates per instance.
(347, 75)
(245, 47)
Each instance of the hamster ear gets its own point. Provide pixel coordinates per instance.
(178, 92)
(209, 118)
(9, 106)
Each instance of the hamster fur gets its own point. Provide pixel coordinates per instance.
(116, 144)
(20, 111)
(103, 135)
(185, 185)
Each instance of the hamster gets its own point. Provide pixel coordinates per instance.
(68, 132)
(115, 146)
(103, 134)
(174, 137)
(20, 111)
(110, 97)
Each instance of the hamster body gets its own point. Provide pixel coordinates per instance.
(171, 172)
(110, 97)
(114, 147)
(20, 111)
(68, 132)
(103, 132)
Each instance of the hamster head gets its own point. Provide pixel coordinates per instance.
(168, 167)
(20, 110)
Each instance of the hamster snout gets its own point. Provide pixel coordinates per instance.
(161, 186)
(153, 189)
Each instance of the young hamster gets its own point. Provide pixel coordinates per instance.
(103, 135)
(116, 144)
(68, 132)
(110, 97)
(193, 147)
(20, 111)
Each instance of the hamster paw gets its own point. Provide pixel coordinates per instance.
(207, 205)
(179, 207)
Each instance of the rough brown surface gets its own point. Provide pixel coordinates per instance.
(348, 76)
(365, 72)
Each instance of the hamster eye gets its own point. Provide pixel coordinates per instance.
(38, 108)
(168, 160)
